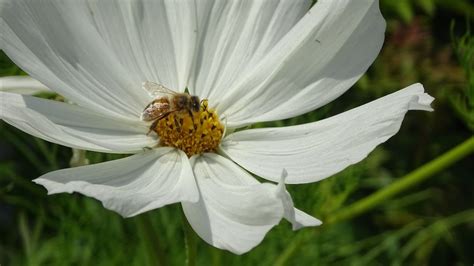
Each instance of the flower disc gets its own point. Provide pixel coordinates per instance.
(196, 134)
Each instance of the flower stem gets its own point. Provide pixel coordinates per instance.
(409, 180)
(154, 252)
(190, 242)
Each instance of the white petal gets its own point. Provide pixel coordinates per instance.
(73, 126)
(235, 211)
(314, 151)
(234, 36)
(22, 85)
(132, 185)
(298, 218)
(232, 213)
(154, 39)
(97, 53)
(318, 60)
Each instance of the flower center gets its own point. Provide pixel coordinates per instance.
(201, 132)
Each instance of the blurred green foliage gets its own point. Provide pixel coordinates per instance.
(463, 102)
(432, 224)
(407, 10)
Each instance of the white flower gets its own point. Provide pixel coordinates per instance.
(253, 60)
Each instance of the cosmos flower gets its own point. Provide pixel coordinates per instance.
(253, 61)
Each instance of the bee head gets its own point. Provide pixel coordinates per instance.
(195, 104)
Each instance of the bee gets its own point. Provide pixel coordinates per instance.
(166, 102)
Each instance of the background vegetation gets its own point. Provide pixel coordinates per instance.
(425, 219)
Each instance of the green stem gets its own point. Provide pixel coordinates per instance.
(50, 156)
(154, 252)
(435, 231)
(408, 181)
(190, 242)
(370, 202)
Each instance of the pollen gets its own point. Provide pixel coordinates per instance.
(196, 134)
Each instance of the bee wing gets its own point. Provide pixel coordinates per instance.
(154, 110)
(156, 90)
(157, 116)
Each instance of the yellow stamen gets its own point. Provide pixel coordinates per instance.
(196, 135)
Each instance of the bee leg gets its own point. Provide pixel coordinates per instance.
(152, 127)
(177, 122)
(192, 118)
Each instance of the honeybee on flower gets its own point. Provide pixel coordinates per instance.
(166, 102)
